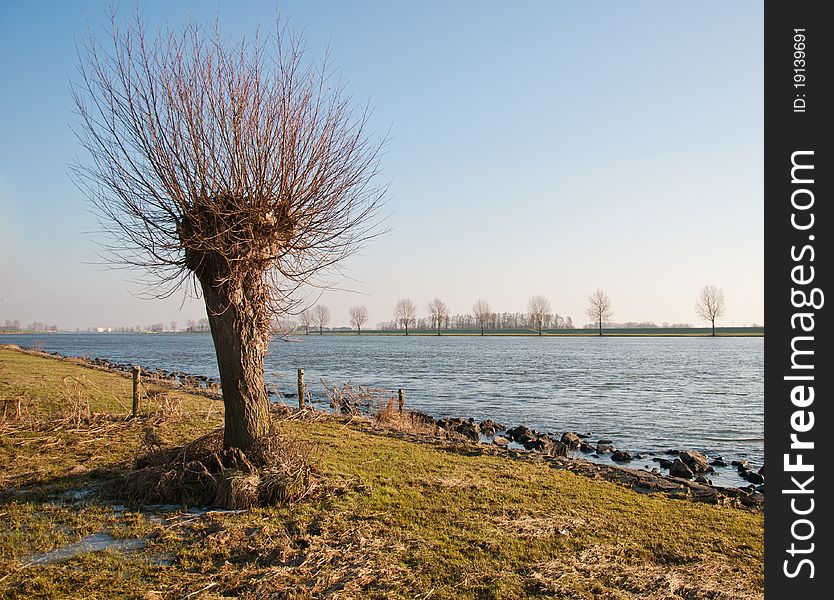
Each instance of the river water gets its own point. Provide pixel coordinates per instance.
(644, 393)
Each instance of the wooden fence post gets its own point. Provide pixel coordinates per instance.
(137, 376)
(301, 389)
(401, 399)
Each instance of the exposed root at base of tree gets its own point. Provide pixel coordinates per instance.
(276, 471)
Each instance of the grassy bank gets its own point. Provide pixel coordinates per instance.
(394, 519)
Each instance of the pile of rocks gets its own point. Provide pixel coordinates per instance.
(745, 471)
(537, 441)
(469, 428)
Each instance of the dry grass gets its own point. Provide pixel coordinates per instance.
(351, 400)
(595, 571)
(277, 471)
(407, 421)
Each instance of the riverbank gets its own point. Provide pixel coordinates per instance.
(440, 518)
(708, 465)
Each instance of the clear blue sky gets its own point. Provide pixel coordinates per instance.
(547, 147)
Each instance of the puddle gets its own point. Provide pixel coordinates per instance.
(92, 543)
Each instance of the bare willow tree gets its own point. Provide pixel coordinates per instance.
(405, 313)
(237, 169)
(599, 308)
(439, 313)
(307, 319)
(321, 317)
(482, 313)
(539, 309)
(710, 304)
(358, 317)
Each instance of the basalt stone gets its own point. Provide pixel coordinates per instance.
(604, 442)
(489, 427)
(421, 418)
(470, 430)
(680, 469)
(517, 432)
(696, 461)
(558, 449)
(741, 464)
(761, 470)
(528, 438)
(586, 447)
(673, 452)
(718, 463)
(605, 448)
(753, 477)
(571, 440)
(664, 463)
(448, 423)
(501, 441)
(620, 456)
(702, 479)
(543, 444)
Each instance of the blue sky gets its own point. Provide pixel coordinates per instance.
(535, 148)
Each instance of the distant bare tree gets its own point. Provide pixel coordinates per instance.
(710, 304)
(10, 326)
(539, 309)
(439, 313)
(283, 327)
(232, 165)
(321, 317)
(358, 317)
(307, 319)
(599, 308)
(405, 313)
(173, 325)
(482, 313)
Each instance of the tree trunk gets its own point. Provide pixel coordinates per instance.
(713, 328)
(240, 330)
(600, 326)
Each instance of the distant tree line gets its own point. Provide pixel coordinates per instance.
(482, 318)
(539, 317)
(10, 326)
(14, 326)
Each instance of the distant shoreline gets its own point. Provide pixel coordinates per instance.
(653, 332)
(593, 333)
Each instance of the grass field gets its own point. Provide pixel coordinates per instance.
(393, 519)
